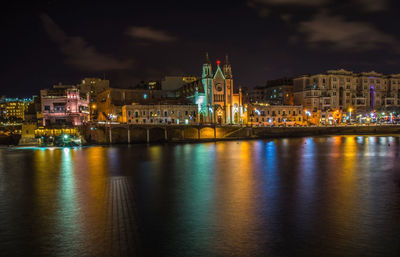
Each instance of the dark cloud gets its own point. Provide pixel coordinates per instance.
(361, 5)
(344, 34)
(151, 34)
(291, 2)
(373, 5)
(79, 53)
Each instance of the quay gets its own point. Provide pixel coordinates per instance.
(130, 134)
(133, 134)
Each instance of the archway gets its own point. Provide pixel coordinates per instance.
(219, 119)
(236, 118)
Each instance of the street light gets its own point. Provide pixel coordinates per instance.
(350, 114)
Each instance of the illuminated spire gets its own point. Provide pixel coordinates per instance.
(207, 59)
(207, 70)
(227, 68)
(226, 59)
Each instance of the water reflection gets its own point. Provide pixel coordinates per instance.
(321, 196)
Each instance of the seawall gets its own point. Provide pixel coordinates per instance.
(123, 134)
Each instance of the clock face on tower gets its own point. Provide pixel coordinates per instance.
(218, 87)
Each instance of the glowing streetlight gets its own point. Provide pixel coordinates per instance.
(350, 114)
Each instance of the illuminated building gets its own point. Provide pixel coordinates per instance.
(341, 89)
(64, 105)
(267, 115)
(275, 92)
(109, 102)
(93, 86)
(13, 109)
(160, 114)
(214, 95)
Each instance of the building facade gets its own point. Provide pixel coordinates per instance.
(160, 114)
(93, 87)
(64, 105)
(268, 115)
(109, 103)
(275, 92)
(13, 109)
(343, 90)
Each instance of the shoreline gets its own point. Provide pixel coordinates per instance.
(189, 134)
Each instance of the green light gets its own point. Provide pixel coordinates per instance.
(65, 136)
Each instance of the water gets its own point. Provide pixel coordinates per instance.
(322, 196)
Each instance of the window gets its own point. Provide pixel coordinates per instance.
(165, 113)
(129, 113)
(47, 107)
(186, 112)
(136, 115)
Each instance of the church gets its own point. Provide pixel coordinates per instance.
(214, 95)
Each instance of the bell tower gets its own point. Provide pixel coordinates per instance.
(228, 89)
(207, 81)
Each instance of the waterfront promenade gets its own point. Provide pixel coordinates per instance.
(120, 133)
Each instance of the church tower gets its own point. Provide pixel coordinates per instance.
(227, 68)
(228, 89)
(207, 80)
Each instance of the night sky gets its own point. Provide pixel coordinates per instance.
(47, 42)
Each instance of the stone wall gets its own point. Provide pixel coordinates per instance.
(123, 134)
